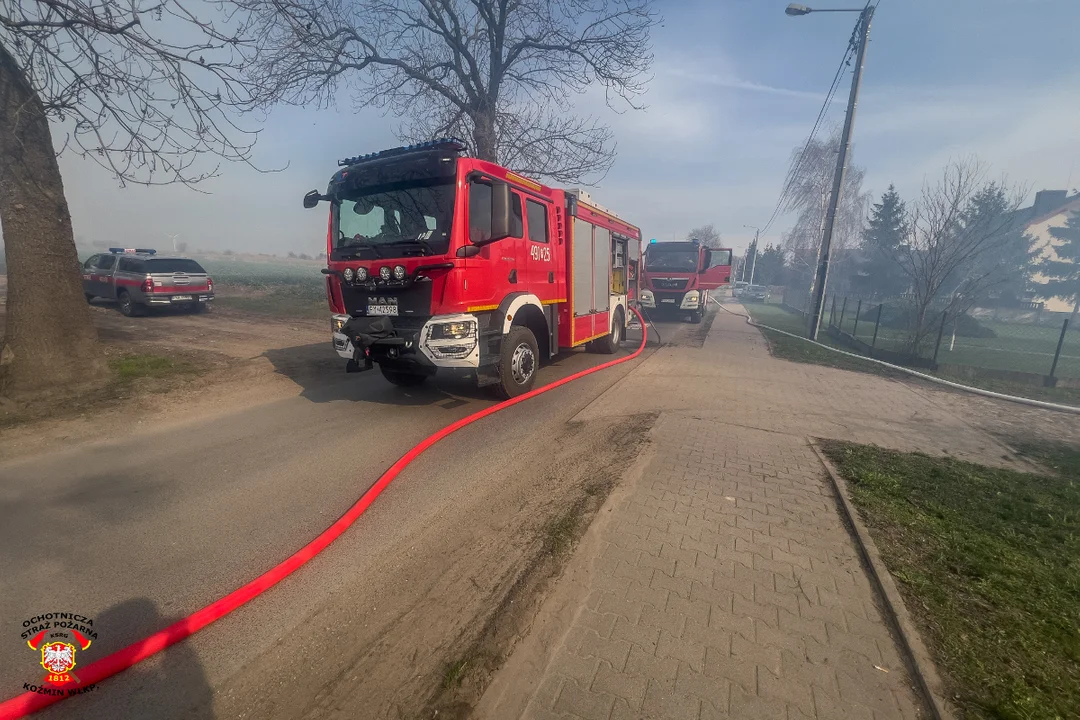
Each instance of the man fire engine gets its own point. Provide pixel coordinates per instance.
(677, 276)
(438, 260)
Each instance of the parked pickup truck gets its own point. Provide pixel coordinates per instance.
(137, 278)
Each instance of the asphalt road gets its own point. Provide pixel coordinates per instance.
(139, 532)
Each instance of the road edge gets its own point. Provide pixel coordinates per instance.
(513, 688)
(920, 664)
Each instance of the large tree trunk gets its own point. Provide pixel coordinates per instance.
(484, 136)
(50, 341)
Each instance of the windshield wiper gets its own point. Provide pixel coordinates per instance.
(424, 244)
(359, 245)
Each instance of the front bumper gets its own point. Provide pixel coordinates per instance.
(414, 349)
(672, 300)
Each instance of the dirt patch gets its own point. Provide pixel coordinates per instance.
(465, 679)
(429, 636)
(224, 353)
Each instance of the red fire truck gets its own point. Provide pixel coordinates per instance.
(677, 276)
(439, 260)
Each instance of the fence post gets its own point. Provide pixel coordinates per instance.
(940, 332)
(832, 313)
(1051, 380)
(877, 324)
(855, 327)
(843, 309)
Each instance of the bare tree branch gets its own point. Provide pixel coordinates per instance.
(142, 88)
(501, 74)
(955, 241)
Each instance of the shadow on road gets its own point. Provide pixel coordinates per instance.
(170, 685)
(321, 374)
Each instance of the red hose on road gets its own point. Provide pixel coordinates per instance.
(29, 702)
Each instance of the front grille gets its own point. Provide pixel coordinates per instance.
(670, 283)
(661, 296)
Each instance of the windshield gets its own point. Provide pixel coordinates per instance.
(413, 216)
(173, 265)
(673, 260)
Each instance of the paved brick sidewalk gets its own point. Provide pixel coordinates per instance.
(723, 583)
(719, 580)
(726, 587)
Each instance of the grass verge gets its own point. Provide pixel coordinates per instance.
(454, 674)
(562, 531)
(129, 368)
(798, 350)
(988, 562)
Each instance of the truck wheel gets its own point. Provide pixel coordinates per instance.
(609, 345)
(518, 362)
(695, 317)
(89, 297)
(402, 379)
(128, 307)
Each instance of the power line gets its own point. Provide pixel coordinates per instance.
(789, 183)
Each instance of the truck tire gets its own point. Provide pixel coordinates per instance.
(695, 317)
(128, 307)
(89, 297)
(402, 379)
(518, 362)
(609, 345)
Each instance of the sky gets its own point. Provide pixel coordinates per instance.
(736, 87)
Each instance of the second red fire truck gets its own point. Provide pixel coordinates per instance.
(677, 277)
(439, 260)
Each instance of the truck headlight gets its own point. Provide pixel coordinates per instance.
(451, 340)
(647, 295)
(453, 331)
(337, 322)
(399, 272)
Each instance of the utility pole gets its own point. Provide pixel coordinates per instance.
(753, 264)
(817, 293)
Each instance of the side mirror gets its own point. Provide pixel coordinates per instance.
(500, 210)
(312, 199)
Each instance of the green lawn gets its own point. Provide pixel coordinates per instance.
(988, 562)
(798, 350)
(129, 368)
(802, 351)
(1023, 347)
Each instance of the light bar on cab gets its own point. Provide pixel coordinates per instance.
(449, 143)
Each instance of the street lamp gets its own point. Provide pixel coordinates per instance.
(817, 293)
(753, 265)
(794, 9)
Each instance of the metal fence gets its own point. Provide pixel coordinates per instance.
(1028, 347)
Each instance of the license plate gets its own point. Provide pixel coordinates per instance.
(181, 298)
(670, 300)
(382, 310)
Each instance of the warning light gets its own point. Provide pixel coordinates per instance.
(652, 241)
